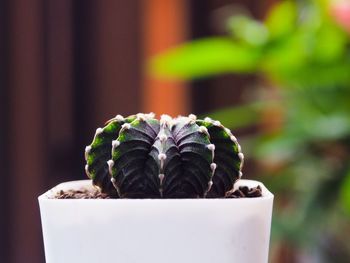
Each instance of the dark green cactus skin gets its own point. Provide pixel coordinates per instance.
(228, 158)
(129, 158)
(142, 157)
(99, 152)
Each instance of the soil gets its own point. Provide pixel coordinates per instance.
(81, 194)
(245, 191)
(241, 192)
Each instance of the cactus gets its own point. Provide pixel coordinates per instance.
(143, 157)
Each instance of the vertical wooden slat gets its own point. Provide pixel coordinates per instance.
(83, 77)
(164, 25)
(4, 204)
(117, 70)
(106, 66)
(60, 75)
(27, 127)
(60, 91)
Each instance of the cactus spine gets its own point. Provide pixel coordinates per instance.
(142, 157)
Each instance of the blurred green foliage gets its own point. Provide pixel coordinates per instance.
(304, 54)
(296, 45)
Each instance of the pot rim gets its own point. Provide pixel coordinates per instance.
(70, 185)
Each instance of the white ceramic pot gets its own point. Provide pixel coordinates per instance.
(156, 230)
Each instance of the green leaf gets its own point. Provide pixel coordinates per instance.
(331, 44)
(248, 30)
(317, 75)
(277, 148)
(239, 116)
(206, 57)
(281, 20)
(286, 56)
(345, 193)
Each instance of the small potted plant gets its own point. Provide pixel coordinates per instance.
(165, 190)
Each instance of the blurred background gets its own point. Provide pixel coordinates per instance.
(276, 72)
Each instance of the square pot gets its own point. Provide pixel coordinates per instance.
(156, 230)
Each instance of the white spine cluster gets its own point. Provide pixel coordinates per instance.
(210, 184)
(87, 151)
(114, 182)
(217, 123)
(115, 144)
(233, 138)
(125, 126)
(203, 129)
(192, 117)
(240, 154)
(87, 171)
(163, 138)
(151, 115)
(213, 166)
(110, 166)
(191, 120)
(161, 158)
(119, 118)
(211, 147)
(141, 116)
(241, 158)
(166, 120)
(99, 131)
(145, 116)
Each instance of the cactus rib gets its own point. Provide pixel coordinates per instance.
(142, 157)
(99, 152)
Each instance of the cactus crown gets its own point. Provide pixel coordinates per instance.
(142, 157)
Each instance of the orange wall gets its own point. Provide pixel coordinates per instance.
(164, 25)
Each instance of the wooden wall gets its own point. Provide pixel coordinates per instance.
(67, 66)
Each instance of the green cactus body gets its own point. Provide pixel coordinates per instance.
(97, 154)
(142, 157)
(228, 158)
(130, 154)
